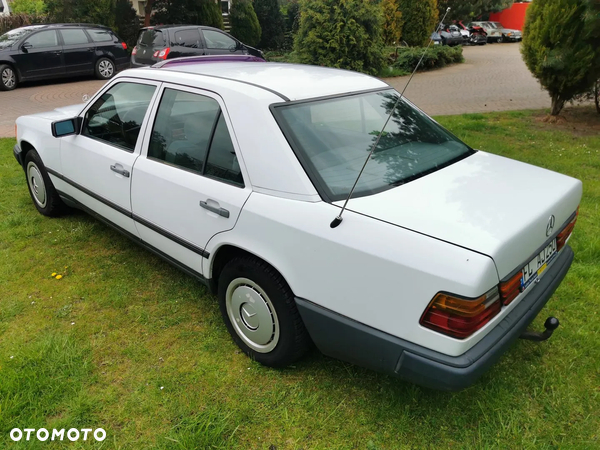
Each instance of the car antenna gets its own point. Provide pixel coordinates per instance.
(339, 219)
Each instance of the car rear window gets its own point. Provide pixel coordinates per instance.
(151, 38)
(100, 35)
(332, 139)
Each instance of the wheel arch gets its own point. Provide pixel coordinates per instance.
(225, 253)
(26, 147)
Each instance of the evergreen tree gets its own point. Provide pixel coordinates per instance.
(195, 12)
(561, 47)
(244, 23)
(420, 20)
(392, 22)
(271, 23)
(341, 33)
(468, 10)
(127, 22)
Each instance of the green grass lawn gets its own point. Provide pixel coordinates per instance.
(127, 343)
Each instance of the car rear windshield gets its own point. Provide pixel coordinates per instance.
(151, 38)
(332, 139)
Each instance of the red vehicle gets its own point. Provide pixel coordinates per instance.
(477, 35)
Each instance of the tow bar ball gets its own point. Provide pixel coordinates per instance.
(551, 324)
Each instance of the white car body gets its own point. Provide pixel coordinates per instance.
(461, 229)
(4, 9)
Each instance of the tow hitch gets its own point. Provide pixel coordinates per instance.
(550, 325)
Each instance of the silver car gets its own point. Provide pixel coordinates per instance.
(508, 34)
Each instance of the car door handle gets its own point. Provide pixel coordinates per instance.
(123, 172)
(220, 211)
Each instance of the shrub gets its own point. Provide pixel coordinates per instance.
(13, 21)
(195, 12)
(127, 22)
(392, 22)
(420, 19)
(560, 47)
(33, 7)
(435, 57)
(244, 23)
(341, 33)
(89, 11)
(271, 23)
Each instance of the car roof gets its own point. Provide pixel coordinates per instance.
(62, 25)
(174, 26)
(289, 81)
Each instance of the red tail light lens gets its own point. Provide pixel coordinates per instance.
(124, 45)
(134, 51)
(162, 54)
(458, 317)
(564, 235)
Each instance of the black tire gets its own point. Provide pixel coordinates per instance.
(260, 313)
(42, 191)
(105, 68)
(8, 77)
(501, 39)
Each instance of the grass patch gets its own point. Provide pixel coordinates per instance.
(127, 343)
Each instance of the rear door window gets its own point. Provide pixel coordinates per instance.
(187, 38)
(74, 37)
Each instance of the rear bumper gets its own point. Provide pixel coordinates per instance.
(348, 340)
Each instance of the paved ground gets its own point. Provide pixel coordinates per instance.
(493, 78)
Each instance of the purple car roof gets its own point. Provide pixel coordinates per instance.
(207, 58)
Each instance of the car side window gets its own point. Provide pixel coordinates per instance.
(190, 132)
(217, 40)
(74, 37)
(117, 116)
(99, 35)
(42, 39)
(187, 38)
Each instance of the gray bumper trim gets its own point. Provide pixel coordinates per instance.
(343, 338)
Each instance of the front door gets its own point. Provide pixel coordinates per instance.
(189, 184)
(97, 164)
(78, 51)
(40, 55)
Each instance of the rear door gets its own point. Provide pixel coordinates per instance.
(219, 43)
(40, 55)
(190, 184)
(78, 51)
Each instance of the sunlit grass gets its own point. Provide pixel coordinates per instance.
(129, 344)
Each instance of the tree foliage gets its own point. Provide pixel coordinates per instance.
(420, 19)
(560, 47)
(32, 7)
(468, 10)
(127, 22)
(195, 12)
(244, 23)
(271, 23)
(392, 22)
(341, 33)
(291, 14)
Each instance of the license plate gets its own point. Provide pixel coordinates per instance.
(537, 265)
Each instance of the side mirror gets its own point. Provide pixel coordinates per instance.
(26, 46)
(66, 127)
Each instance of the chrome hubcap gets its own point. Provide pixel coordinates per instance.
(36, 184)
(106, 68)
(8, 78)
(252, 314)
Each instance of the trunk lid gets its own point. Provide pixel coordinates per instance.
(486, 203)
(149, 41)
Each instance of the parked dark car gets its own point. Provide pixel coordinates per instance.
(451, 35)
(162, 42)
(56, 50)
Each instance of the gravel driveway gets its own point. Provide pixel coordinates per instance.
(493, 78)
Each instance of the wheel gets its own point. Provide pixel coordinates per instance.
(501, 39)
(105, 68)
(8, 78)
(260, 313)
(42, 191)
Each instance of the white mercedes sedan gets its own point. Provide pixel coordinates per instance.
(236, 171)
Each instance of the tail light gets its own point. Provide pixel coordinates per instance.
(511, 288)
(459, 317)
(162, 54)
(124, 45)
(565, 234)
(134, 51)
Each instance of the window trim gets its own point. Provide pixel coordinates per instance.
(144, 125)
(151, 120)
